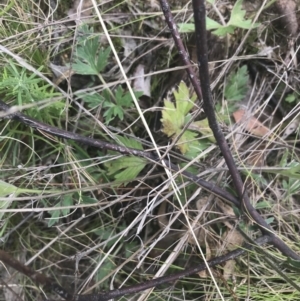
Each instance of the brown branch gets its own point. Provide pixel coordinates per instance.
(17, 116)
(37, 278)
(40, 279)
(245, 203)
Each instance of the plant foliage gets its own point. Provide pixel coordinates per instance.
(27, 88)
(237, 85)
(175, 116)
(237, 20)
(90, 59)
(126, 168)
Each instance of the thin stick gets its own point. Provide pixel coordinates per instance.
(245, 204)
(49, 283)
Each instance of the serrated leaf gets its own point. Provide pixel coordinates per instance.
(183, 102)
(92, 100)
(89, 59)
(102, 59)
(236, 20)
(186, 140)
(130, 142)
(175, 117)
(224, 30)
(83, 68)
(237, 85)
(131, 166)
(202, 127)
(237, 17)
(172, 119)
(127, 168)
(197, 148)
(190, 145)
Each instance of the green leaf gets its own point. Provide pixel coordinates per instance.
(127, 168)
(293, 170)
(7, 189)
(123, 101)
(92, 100)
(236, 87)
(290, 98)
(263, 205)
(237, 17)
(83, 68)
(130, 142)
(237, 20)
(174, 119)
(106, 267)
(88, 200)
(186, 141)
(183, 102)
(196, 147)
(66, 202)
(294, 263)
(90, 59)
(102, 59)
(224, 30)
(56, 214)
(190, 27)
(202, 127)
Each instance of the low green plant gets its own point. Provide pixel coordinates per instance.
(176, 115)
(236, 86)
(90, 59)
(10, 191)
(114, 105)
(235, 90)
(27, 88)
(126, 168)
(237, 20)
(65, 202)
